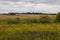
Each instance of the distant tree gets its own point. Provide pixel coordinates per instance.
(28, 13)
(12, 13)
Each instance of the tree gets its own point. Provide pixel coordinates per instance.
(12, 13)
(58, 17)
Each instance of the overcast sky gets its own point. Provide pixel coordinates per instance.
(47, 6)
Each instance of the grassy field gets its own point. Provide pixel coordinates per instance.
(28, 31)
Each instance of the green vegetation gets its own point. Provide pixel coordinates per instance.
(45, 19)
(58, 17)
(12, 14)
(16, 21)
(37, 28)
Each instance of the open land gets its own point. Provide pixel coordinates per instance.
(28, 30)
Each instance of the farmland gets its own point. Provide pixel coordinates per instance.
(27, 30)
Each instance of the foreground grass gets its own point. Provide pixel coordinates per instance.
(34, 31)
(30, 27)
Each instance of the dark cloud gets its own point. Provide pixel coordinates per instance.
(56, 2)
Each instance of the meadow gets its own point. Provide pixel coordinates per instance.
(25, 27)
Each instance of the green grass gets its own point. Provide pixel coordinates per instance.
(33, 31)
(28, 29)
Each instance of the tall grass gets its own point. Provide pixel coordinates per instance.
(41, 28)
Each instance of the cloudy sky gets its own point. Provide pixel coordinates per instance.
(47, 6)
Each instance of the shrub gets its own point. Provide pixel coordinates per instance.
(45, 19)
(17, 18)
(58, 17)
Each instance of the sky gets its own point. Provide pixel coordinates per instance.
(45, 6)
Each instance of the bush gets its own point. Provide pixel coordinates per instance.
(45, 19)
(58, 17)
(14, 21)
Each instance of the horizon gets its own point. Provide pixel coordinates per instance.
(28, 13)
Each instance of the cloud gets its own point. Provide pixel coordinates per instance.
(55, 2)
(28, 6)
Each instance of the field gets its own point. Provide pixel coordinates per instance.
(27, 30)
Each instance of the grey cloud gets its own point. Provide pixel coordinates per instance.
(29, 6)
(10, 0)
(55, 2)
